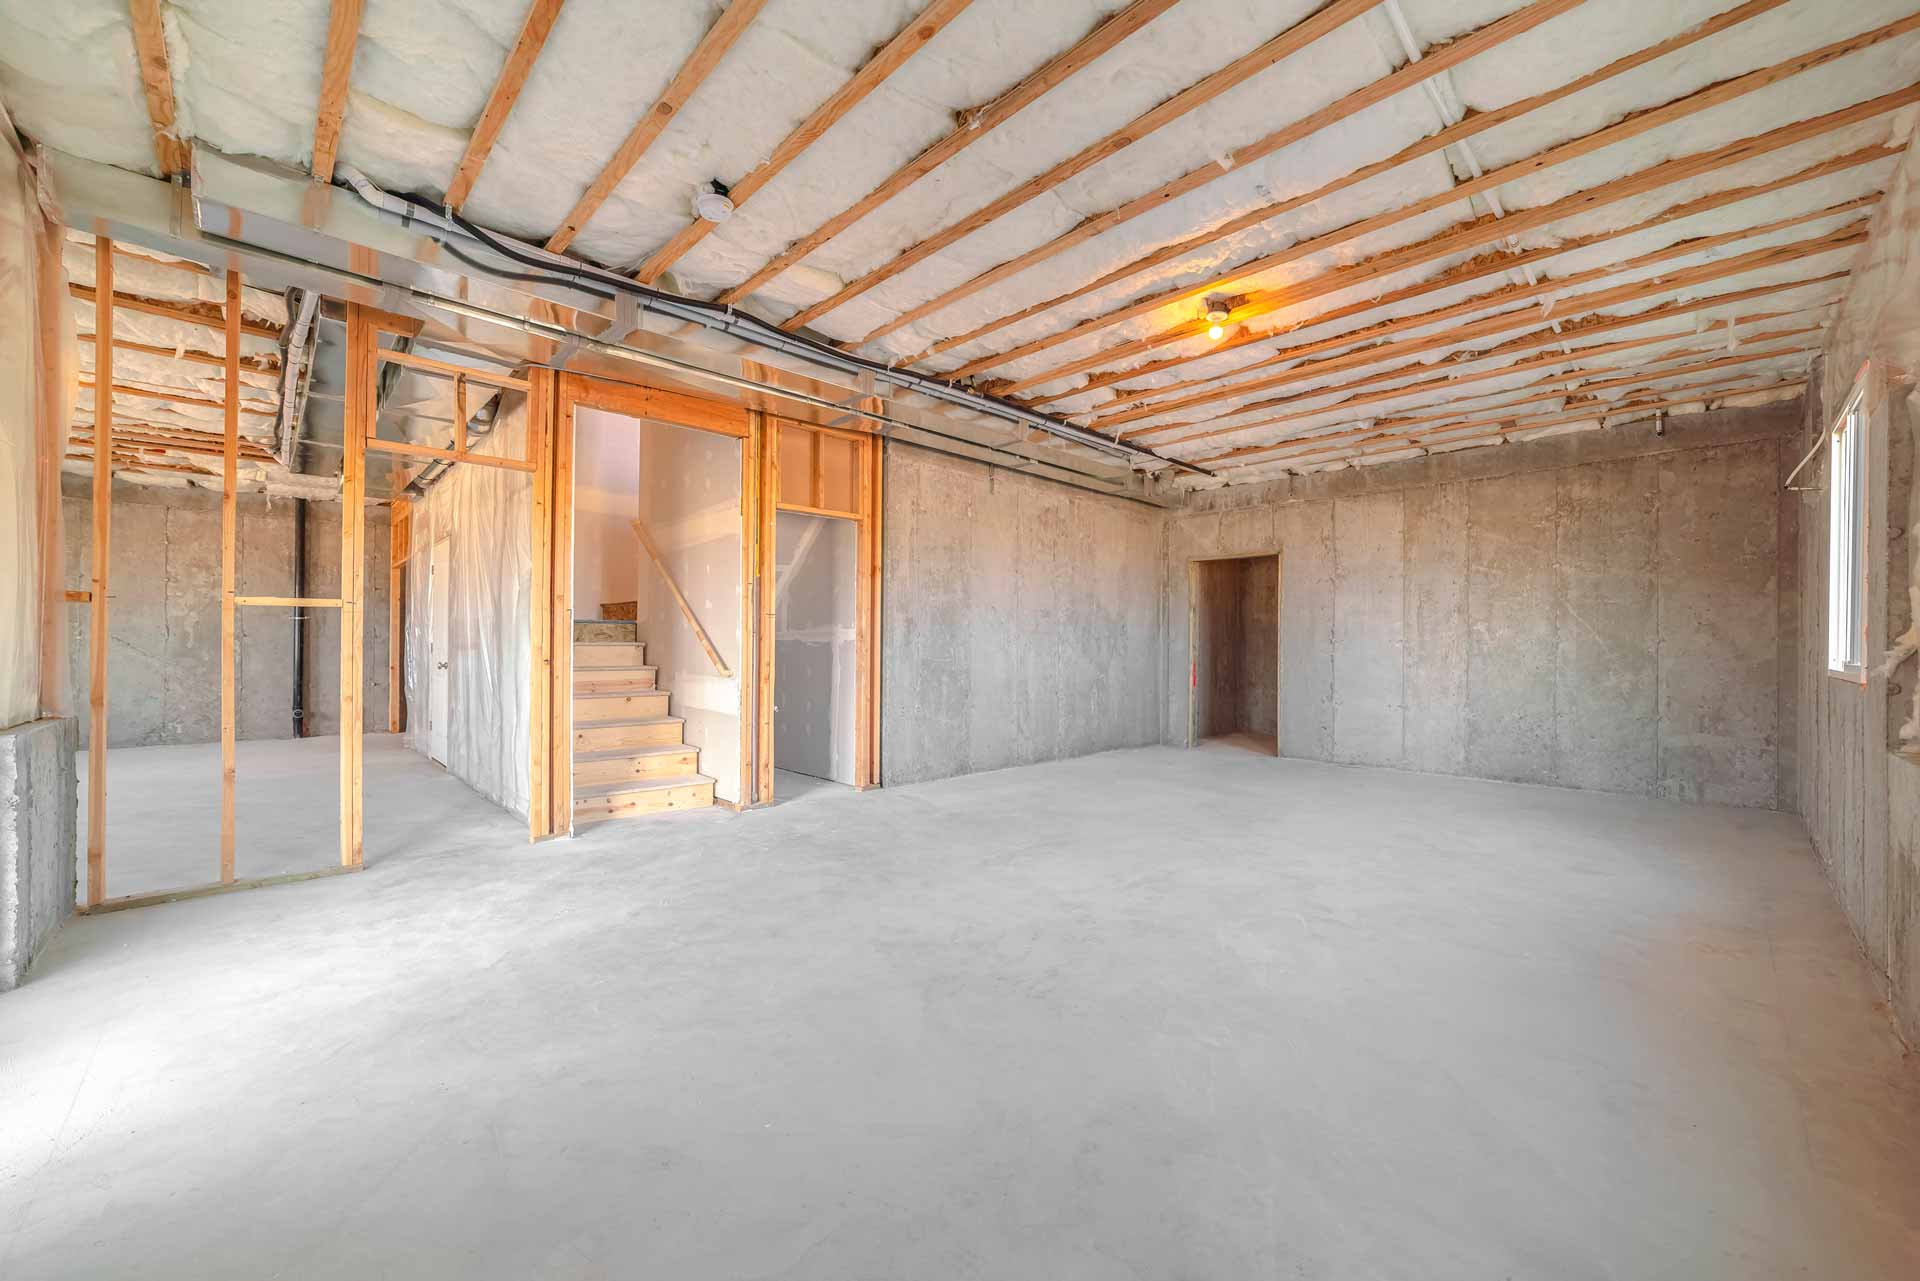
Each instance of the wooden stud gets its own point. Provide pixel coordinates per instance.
(534, 30)
(1436, 62)
(699, 65)
(1328, 17)
(394, 356)
(229, 556)
(412, 450)
(747, 689)
(1475, 123)
(974, 126)
(460, 414)
(560, 650)
(78, 598)
(1499, 298)
(156, 81)
(1478, 269)
(542, 747)
(361, 406)
(1485, 231)
(336, 69)
(867, 604)
(908, 41)
(816, 473)
(767, 491)
(98, 638)
(209, 319)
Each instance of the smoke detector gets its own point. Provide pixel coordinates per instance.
(713, 201)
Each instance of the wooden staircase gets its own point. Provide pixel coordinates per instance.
(630, 757)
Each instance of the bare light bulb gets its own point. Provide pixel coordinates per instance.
(1215, 332)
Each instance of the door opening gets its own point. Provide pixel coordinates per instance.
(1234, 619)
(816, 658)
(439, 616)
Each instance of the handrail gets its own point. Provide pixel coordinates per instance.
(699, 632)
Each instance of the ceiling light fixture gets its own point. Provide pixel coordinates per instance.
(1219, 307)
(713, 201)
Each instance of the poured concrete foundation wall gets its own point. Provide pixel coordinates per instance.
(1601, 610)
(1023, 619)
(164, 663)
(1860, 794)
(39, 811)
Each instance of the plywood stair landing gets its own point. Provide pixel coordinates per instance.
(630, 754)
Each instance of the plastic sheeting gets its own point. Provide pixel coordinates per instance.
(1879, 319)
(486, 514)
(36, 387)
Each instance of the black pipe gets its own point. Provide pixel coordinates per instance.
(300, 618)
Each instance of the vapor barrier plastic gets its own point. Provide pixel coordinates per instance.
(485, 514)
(1879, 320)
(36, 367)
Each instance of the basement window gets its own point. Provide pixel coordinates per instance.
(1846, 542)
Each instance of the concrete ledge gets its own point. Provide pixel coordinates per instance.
(39, 828)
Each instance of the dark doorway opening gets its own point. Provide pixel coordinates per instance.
(1235, 678)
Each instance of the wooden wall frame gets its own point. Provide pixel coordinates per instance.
(866, 516)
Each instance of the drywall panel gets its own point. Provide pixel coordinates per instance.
(690, 503)
(815, 651)
(606, 498)
(1022, 619)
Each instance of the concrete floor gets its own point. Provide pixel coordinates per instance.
(163, 809)
(1146, 1014)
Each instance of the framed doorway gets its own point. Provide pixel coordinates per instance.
(1233, 628)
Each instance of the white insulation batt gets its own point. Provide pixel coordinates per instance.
(247, 77)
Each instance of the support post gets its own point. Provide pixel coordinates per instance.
(353, 521)
(867, 647)
(229, 551)
(540, 735)
(97, 638)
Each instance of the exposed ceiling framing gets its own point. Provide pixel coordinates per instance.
(1424, 215)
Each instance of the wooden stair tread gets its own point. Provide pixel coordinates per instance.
(587, 644)
(636, 720)
(579, 694)
(584, 791)
(623, 753)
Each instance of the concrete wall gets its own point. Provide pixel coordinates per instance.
(163, 666)
(1859, 792)
(1599, 610)
(39, 815)
(1023, 619)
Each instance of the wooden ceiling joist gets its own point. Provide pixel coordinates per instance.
(1495, 263)
(172, 311)
(1355, 394)
(1546, 287)
(182, 398)
(1638, 409)
(156, 81)
(974, 126)
(1472, 235)
(1577, 382)
(252, 364)
(1576, 314)
(180, 439)
(1435, 62)
(700, 64)
(888, 59)
(1486, 230)
(336, 70)
(1475, 123)
(1329, 17)
(534, 30)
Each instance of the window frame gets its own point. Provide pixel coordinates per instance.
(1847, 442)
